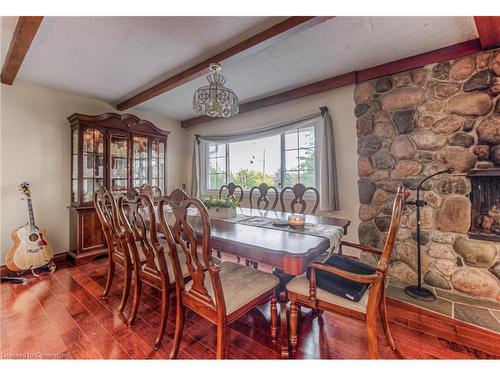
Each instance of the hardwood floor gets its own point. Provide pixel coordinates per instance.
(62, 315)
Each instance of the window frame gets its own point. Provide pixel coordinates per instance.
(204, 167)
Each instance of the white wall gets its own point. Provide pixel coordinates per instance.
(341, 105)
(35, 147)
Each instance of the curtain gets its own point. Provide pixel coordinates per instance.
(328, 186)
(330, 200)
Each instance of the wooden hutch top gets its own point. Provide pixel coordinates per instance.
(125, 122)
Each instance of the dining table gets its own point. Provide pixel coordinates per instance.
(288, 252)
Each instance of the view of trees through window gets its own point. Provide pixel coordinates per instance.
(290, 157)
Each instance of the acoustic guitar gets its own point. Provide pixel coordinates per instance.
(30, 250)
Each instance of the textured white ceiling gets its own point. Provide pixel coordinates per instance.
(110, 58)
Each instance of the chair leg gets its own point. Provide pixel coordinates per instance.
(221, 341)
(371, 333)
(126, 288)
(385, 323)
(137, 298)
(274, 318)
(179, 326)
(293, 325)
(165, 297)
(109, 277)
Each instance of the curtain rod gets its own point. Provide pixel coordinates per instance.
(322, 110)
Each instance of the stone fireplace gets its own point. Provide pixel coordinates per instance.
(411, 125)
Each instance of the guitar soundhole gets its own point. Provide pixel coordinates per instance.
(33, 237)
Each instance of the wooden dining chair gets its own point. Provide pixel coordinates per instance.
(153, 192)
(221, 293)
(150, 264)
(263, 197)
(298, 191)
(347, 286)
(231, 189)
(106, 209)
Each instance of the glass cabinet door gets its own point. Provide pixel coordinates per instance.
(93, 163)
(118, 163)
(158, 164)
(140, 161)
(74, 166)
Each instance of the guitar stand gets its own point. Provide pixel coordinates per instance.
(14, 279)
(19, 279)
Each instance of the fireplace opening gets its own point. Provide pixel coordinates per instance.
(485, 200)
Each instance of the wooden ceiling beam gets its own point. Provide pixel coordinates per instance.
(24, 33)
(398, 66)
(438, 55)
(488, 29)
(285, 29)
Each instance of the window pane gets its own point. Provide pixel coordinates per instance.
(212, 165)
(291, 140)
(254, 162)
(88, 165)
(221, 165)
(75, 141)
(306, 159)
(140, 158)
(99, 141)
(221, 150)
(162, 150)
(291, 162)
(291, 178)
(212, 150)
(74, 191)
(308, 178)
(88, 140)
(306, 137)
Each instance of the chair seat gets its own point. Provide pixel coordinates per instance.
(339, 285)
(300, 285)
(240, 284)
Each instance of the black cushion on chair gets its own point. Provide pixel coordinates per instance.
(339, 285)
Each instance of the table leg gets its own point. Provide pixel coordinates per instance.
(283, 300)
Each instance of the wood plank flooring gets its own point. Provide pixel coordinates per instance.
(62, 315)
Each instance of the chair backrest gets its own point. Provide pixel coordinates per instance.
(106, 210)
(153, 192)
(140, 222)
(178, 195)
(298, 191)
(397, 210)
(231, 188)
(181, 236)
(263, 197)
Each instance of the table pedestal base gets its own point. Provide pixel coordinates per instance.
(283, 300)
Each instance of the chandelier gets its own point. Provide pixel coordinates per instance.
(215, 100)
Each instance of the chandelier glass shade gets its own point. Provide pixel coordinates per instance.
(215, 100)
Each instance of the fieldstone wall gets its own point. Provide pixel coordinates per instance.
(413, 124)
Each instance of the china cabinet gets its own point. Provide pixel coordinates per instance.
(117, 151)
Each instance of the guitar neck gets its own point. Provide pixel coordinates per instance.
(31, 216)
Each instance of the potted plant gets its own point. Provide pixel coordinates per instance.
(221, 208)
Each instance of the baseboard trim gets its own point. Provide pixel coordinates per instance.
(59, 259)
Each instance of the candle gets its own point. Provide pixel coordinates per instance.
(296, 221)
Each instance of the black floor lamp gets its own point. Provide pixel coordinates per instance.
(416, 291)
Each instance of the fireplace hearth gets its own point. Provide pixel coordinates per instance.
(485, 200)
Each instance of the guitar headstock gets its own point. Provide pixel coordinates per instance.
(24, 188)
